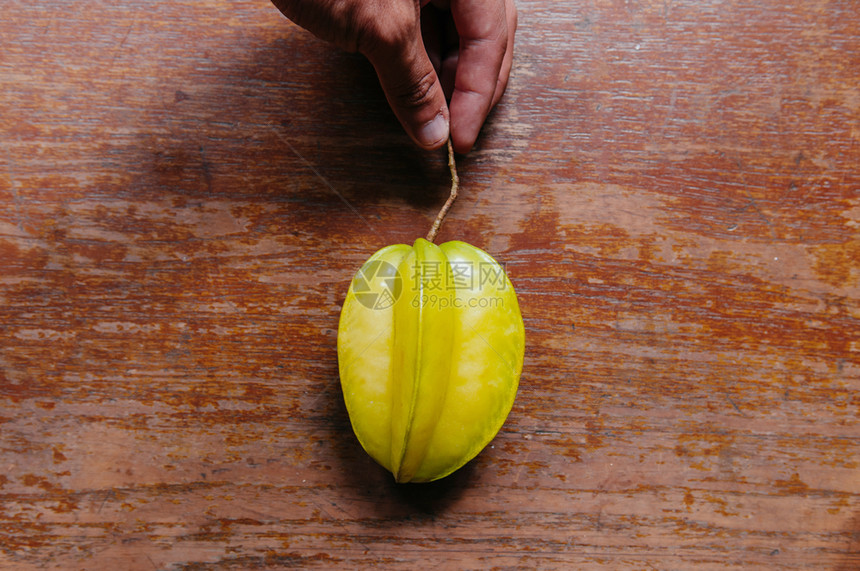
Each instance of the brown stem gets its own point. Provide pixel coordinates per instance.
(455, 187)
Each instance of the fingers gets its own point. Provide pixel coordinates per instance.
(486, 31)
(474, 67)
(410, 83)
(508, 61)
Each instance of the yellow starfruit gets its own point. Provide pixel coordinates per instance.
(430, 350)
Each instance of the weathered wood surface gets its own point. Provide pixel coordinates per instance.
(186, 189)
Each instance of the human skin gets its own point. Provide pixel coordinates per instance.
(443, 64)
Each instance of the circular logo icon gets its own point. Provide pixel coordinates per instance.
(377, 285)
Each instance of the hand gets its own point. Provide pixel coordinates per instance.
(412, 44)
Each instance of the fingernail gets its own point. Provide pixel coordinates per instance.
(430, 134)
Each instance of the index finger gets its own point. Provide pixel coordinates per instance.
(483, 31)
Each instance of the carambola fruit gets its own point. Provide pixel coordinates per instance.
(430, 350)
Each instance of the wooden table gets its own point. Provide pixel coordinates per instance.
(186, 189)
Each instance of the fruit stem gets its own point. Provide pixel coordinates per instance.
(455, 187)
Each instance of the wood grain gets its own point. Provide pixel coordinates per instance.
(186, 189)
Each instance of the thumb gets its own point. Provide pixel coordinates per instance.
(413, 91)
